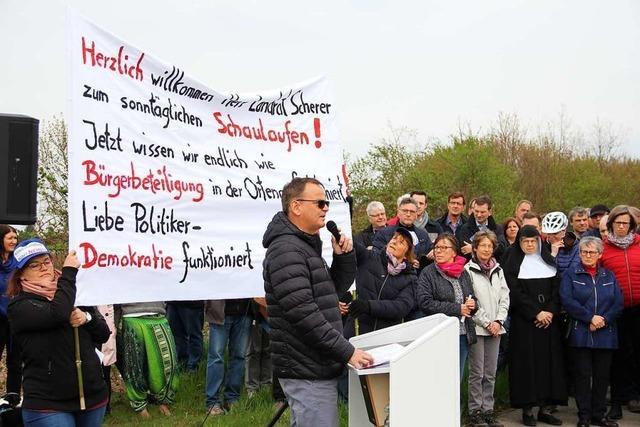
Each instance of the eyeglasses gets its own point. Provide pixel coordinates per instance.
(38, 265)
(321, 203)
(589, 253)
(408, 211)
(441, 248)
(621, 223)
(378, 215)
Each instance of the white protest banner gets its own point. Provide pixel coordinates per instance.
(172, 184)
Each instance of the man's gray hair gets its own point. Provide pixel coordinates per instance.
(375, 205)
(591, 240)
(406, 201)
(401, 198)
(578, 210)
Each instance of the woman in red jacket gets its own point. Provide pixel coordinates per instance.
(622, 256)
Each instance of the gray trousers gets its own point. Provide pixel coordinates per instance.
(483, 361)
(313, 403)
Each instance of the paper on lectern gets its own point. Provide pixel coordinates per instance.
(384, 354)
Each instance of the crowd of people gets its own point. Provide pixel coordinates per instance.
(555, 299)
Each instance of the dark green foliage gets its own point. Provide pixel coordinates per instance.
(504, 165)
(470, 166)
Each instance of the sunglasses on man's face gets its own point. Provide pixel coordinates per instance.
(320, 202)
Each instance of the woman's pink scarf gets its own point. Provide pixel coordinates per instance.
(44, 288)
(453, 269)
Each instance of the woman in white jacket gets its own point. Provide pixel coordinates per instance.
(492, 293)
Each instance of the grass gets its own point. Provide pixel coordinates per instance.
(189, 408)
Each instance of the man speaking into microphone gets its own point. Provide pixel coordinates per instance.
(307, 345)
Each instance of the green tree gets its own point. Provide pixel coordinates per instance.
(381, 173)
(53, 217)
(469, 165)
(557, 169)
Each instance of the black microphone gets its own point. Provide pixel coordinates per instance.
(333, 229)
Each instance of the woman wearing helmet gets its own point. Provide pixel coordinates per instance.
(561, 244)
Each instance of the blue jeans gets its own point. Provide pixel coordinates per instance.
(186, 324)
(92, 418)
(464, 352)
(235, 332)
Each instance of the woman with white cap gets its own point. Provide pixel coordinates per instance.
(43, 318)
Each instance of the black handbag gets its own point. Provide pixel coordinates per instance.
(10, 410)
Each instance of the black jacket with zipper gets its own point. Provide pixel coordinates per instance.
(391, 298)
(42, 330)
(302, 303)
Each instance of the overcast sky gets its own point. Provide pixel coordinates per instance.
(427, 65)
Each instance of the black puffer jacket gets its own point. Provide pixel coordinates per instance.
(436, 295)
(42, 330)
(391, 298)
(302, 303)
(365, 237)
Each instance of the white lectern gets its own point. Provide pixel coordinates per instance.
(423, 379)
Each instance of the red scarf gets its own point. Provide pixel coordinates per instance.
(44, 288)
(453, 269)
(591, 270)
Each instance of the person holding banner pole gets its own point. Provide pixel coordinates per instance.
(44, 321)
(308, 348)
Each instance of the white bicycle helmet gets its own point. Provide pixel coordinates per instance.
(554, 222)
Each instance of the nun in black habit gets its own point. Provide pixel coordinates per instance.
(536, 363)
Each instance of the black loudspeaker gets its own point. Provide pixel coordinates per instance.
(18, 169)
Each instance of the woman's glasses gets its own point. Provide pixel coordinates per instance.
(38, 265)
(589, 253)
